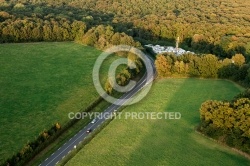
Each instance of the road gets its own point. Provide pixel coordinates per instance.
(82, 134)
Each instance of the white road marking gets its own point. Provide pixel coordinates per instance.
(64, 150)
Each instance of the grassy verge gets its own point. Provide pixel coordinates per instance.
(66, 136)
(83, 143)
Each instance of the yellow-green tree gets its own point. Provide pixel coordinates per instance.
(238, 59)
(162, 66)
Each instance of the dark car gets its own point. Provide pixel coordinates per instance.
(89, 130)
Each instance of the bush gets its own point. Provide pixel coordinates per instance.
(228, 122)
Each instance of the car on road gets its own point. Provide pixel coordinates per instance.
(89, 130)
(93, 121)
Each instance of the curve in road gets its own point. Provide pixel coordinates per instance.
(82, 134)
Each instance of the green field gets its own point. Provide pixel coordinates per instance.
(40, 83)
(164, 142)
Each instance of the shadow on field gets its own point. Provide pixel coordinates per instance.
(174, 141)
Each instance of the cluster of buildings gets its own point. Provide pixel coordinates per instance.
(168, 49)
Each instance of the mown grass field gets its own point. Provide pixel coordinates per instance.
(164, 142)
(40, 84)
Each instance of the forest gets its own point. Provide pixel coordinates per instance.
(218, 27)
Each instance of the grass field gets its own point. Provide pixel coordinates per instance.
(40, 83)
(163, 142)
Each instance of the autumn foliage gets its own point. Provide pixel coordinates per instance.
(228, 122)
(204, 66)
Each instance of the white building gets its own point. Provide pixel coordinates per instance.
(167, 49)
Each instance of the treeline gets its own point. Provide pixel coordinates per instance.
(22, 21)
(218, 27)
(45, 138)
(104, 36)
(228, 122)
(205, 66)
(40, 30)
(32, 148)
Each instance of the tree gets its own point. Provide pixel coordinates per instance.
(115, 40)
(37, 33)
(108, 87)
(208, 66)
(134, 64)
(194, 66)
(180, 67)
(78, 28)
(238, 59)
(177, 67)
(183, 68)
(89, 39)
(47, 33)
(162, 66)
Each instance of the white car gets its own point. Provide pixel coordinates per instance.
(93, 121)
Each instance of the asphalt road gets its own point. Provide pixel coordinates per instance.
(82, 134)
